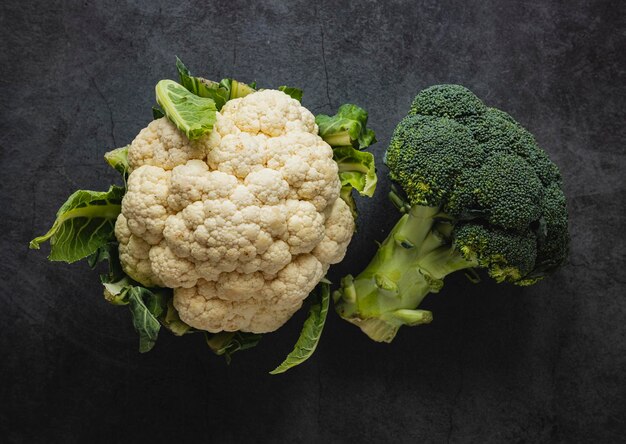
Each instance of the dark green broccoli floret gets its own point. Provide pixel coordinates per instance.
(552, 234)
(506, 255)
(427, 154)
(477, 192)
(498, 132)
(506, 192)
(451, 101)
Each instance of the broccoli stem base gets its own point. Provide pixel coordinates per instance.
(409, 264)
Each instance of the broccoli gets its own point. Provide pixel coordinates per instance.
(476, 192)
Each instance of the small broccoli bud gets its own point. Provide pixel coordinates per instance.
(450, 101)
(507, 256)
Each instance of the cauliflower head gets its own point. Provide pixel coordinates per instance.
(242, 223)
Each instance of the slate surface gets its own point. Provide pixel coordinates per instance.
(498, 364)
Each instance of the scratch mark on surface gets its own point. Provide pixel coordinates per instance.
(33, 192)
(63, 173)
(235, 42)
(317, 16)
(455, 401)
(106, 103)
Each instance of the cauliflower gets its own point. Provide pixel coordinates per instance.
(241, 223)
(235, 204)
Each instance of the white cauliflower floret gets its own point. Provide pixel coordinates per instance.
(192, 182)
(135, 255)
(249, 302)
(338, 231)
(235, 286)
(241, 224)
(237, 154)
(161, 144)
(270, 112)
(267, 185)
(145, 202)
(201, 307)
(173, 270)
(305, 162)
(305, 226)
(275, 257)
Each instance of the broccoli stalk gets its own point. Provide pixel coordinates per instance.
(409, 264)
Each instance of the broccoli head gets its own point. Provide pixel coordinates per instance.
(476, 192)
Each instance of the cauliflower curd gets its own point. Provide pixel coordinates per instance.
(242, 223)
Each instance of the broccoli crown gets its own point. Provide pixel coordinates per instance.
(485, 171)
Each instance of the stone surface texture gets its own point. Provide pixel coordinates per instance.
(498, 364)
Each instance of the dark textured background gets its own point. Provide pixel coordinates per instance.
(498, 364)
